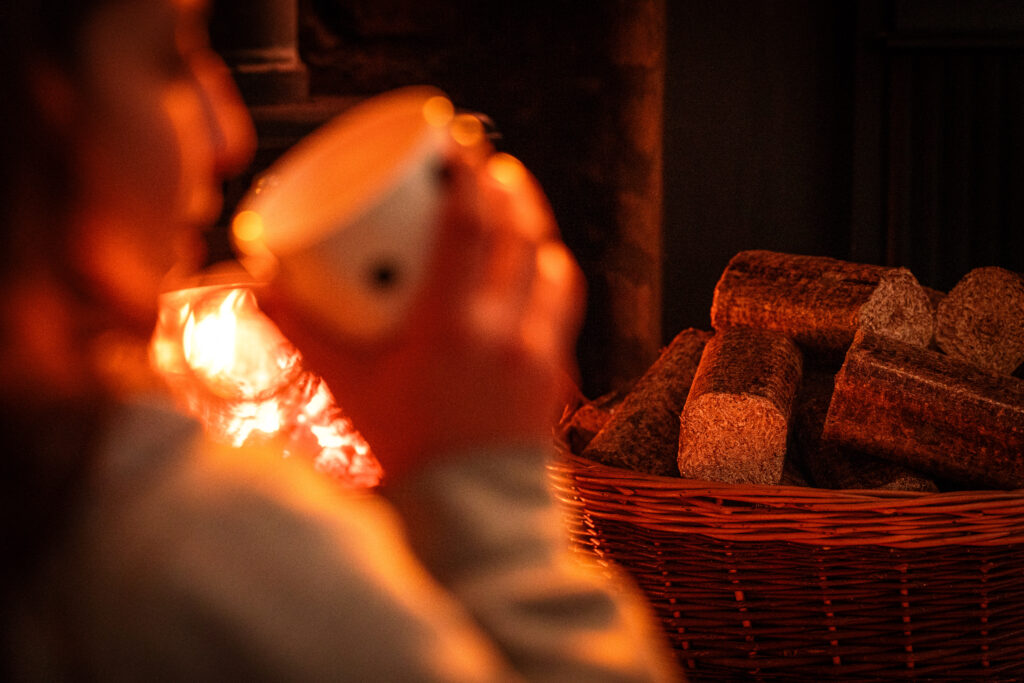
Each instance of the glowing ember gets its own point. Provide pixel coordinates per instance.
(233, 369)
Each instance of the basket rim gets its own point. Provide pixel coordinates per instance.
(758, 512)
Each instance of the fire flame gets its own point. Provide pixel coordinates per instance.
(232, 368)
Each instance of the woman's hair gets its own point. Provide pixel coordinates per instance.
(47, 442)
(33, 161)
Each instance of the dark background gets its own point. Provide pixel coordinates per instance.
(671, 134)
(885, 132)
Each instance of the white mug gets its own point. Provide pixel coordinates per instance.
(348, 215)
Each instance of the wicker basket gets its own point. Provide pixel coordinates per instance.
(787, 583)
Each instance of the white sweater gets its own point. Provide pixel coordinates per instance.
(193, 562)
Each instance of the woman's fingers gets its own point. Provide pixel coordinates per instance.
(552, 318)
(462, 247)
(488, 347)
(519, 220)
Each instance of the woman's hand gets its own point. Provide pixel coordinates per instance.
(486, 357)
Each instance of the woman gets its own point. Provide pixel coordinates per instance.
(139, 549)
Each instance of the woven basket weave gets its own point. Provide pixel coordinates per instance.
(787, 583)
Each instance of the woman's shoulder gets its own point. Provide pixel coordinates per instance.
(142, 437)
(173, 530)
(166, 509)
(159, 464)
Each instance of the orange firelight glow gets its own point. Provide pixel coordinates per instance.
(233, 369)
